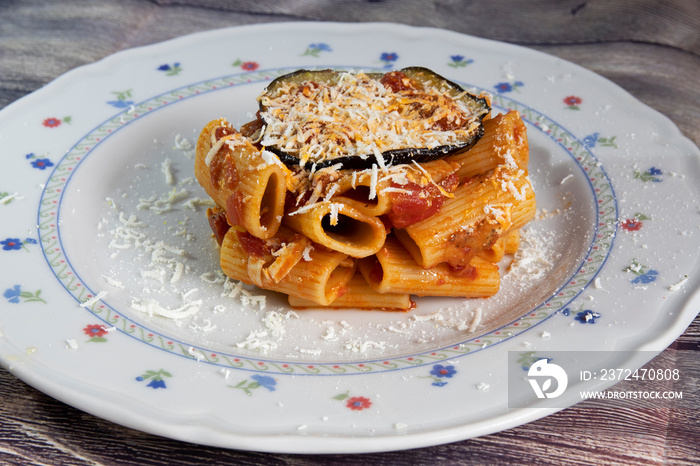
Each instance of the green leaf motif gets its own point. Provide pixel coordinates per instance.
(608, 142)
(342, 396)
(97, 340)
(6, 197)
(16, 294)
(123, 95)
(527, 359)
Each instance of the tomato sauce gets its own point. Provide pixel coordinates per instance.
(397, 81)
(251, 245)
(218, 224)
(221, 169)
(234, 209)
(420, 202)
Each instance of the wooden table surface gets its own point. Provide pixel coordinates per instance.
(650, 48)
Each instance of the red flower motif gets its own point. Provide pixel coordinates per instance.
(250, 66)
(358, 403)
(95, 330)
(572, 100)
(631, 224)
(51, 122)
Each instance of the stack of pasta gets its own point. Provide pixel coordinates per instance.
(293, 218)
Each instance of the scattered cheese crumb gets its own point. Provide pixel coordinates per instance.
(678, 285)
(167, 169)
(113, 282)
(195, 354)
(94, 299)
(154, 308)
(476, 321)
(566, 178)
(483, 386)
(359, 346)
(306, 255)
(257, 341)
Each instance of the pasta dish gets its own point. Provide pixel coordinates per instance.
(360, 190)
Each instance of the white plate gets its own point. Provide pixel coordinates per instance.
(616, 183)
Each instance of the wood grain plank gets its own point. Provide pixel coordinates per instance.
(542, 22)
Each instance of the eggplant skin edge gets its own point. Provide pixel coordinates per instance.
(394, 156)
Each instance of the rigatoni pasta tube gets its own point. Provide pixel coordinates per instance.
(364, 191)
(512, 242)
(481, 210)
(360, 295)
(320, 280)
(507, 244)
(338, 226)
(504, 141)
(393, 270)
(370, 190)
(495, 253)
(249, 184)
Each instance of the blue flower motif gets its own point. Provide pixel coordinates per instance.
(590, 140)
(316, 49)
(388, 58)
(653, 175)
(155, 377)
(321, 47)
(458, 61)
(41, 164)
(170, 70)
(13, 294)
(443, 371)
(10, 244)
(157, 383)
(121, 103)
(265, 381)
(507, 87)
(30, 155)
(587, 317)
(647, 277)
(439, 384)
